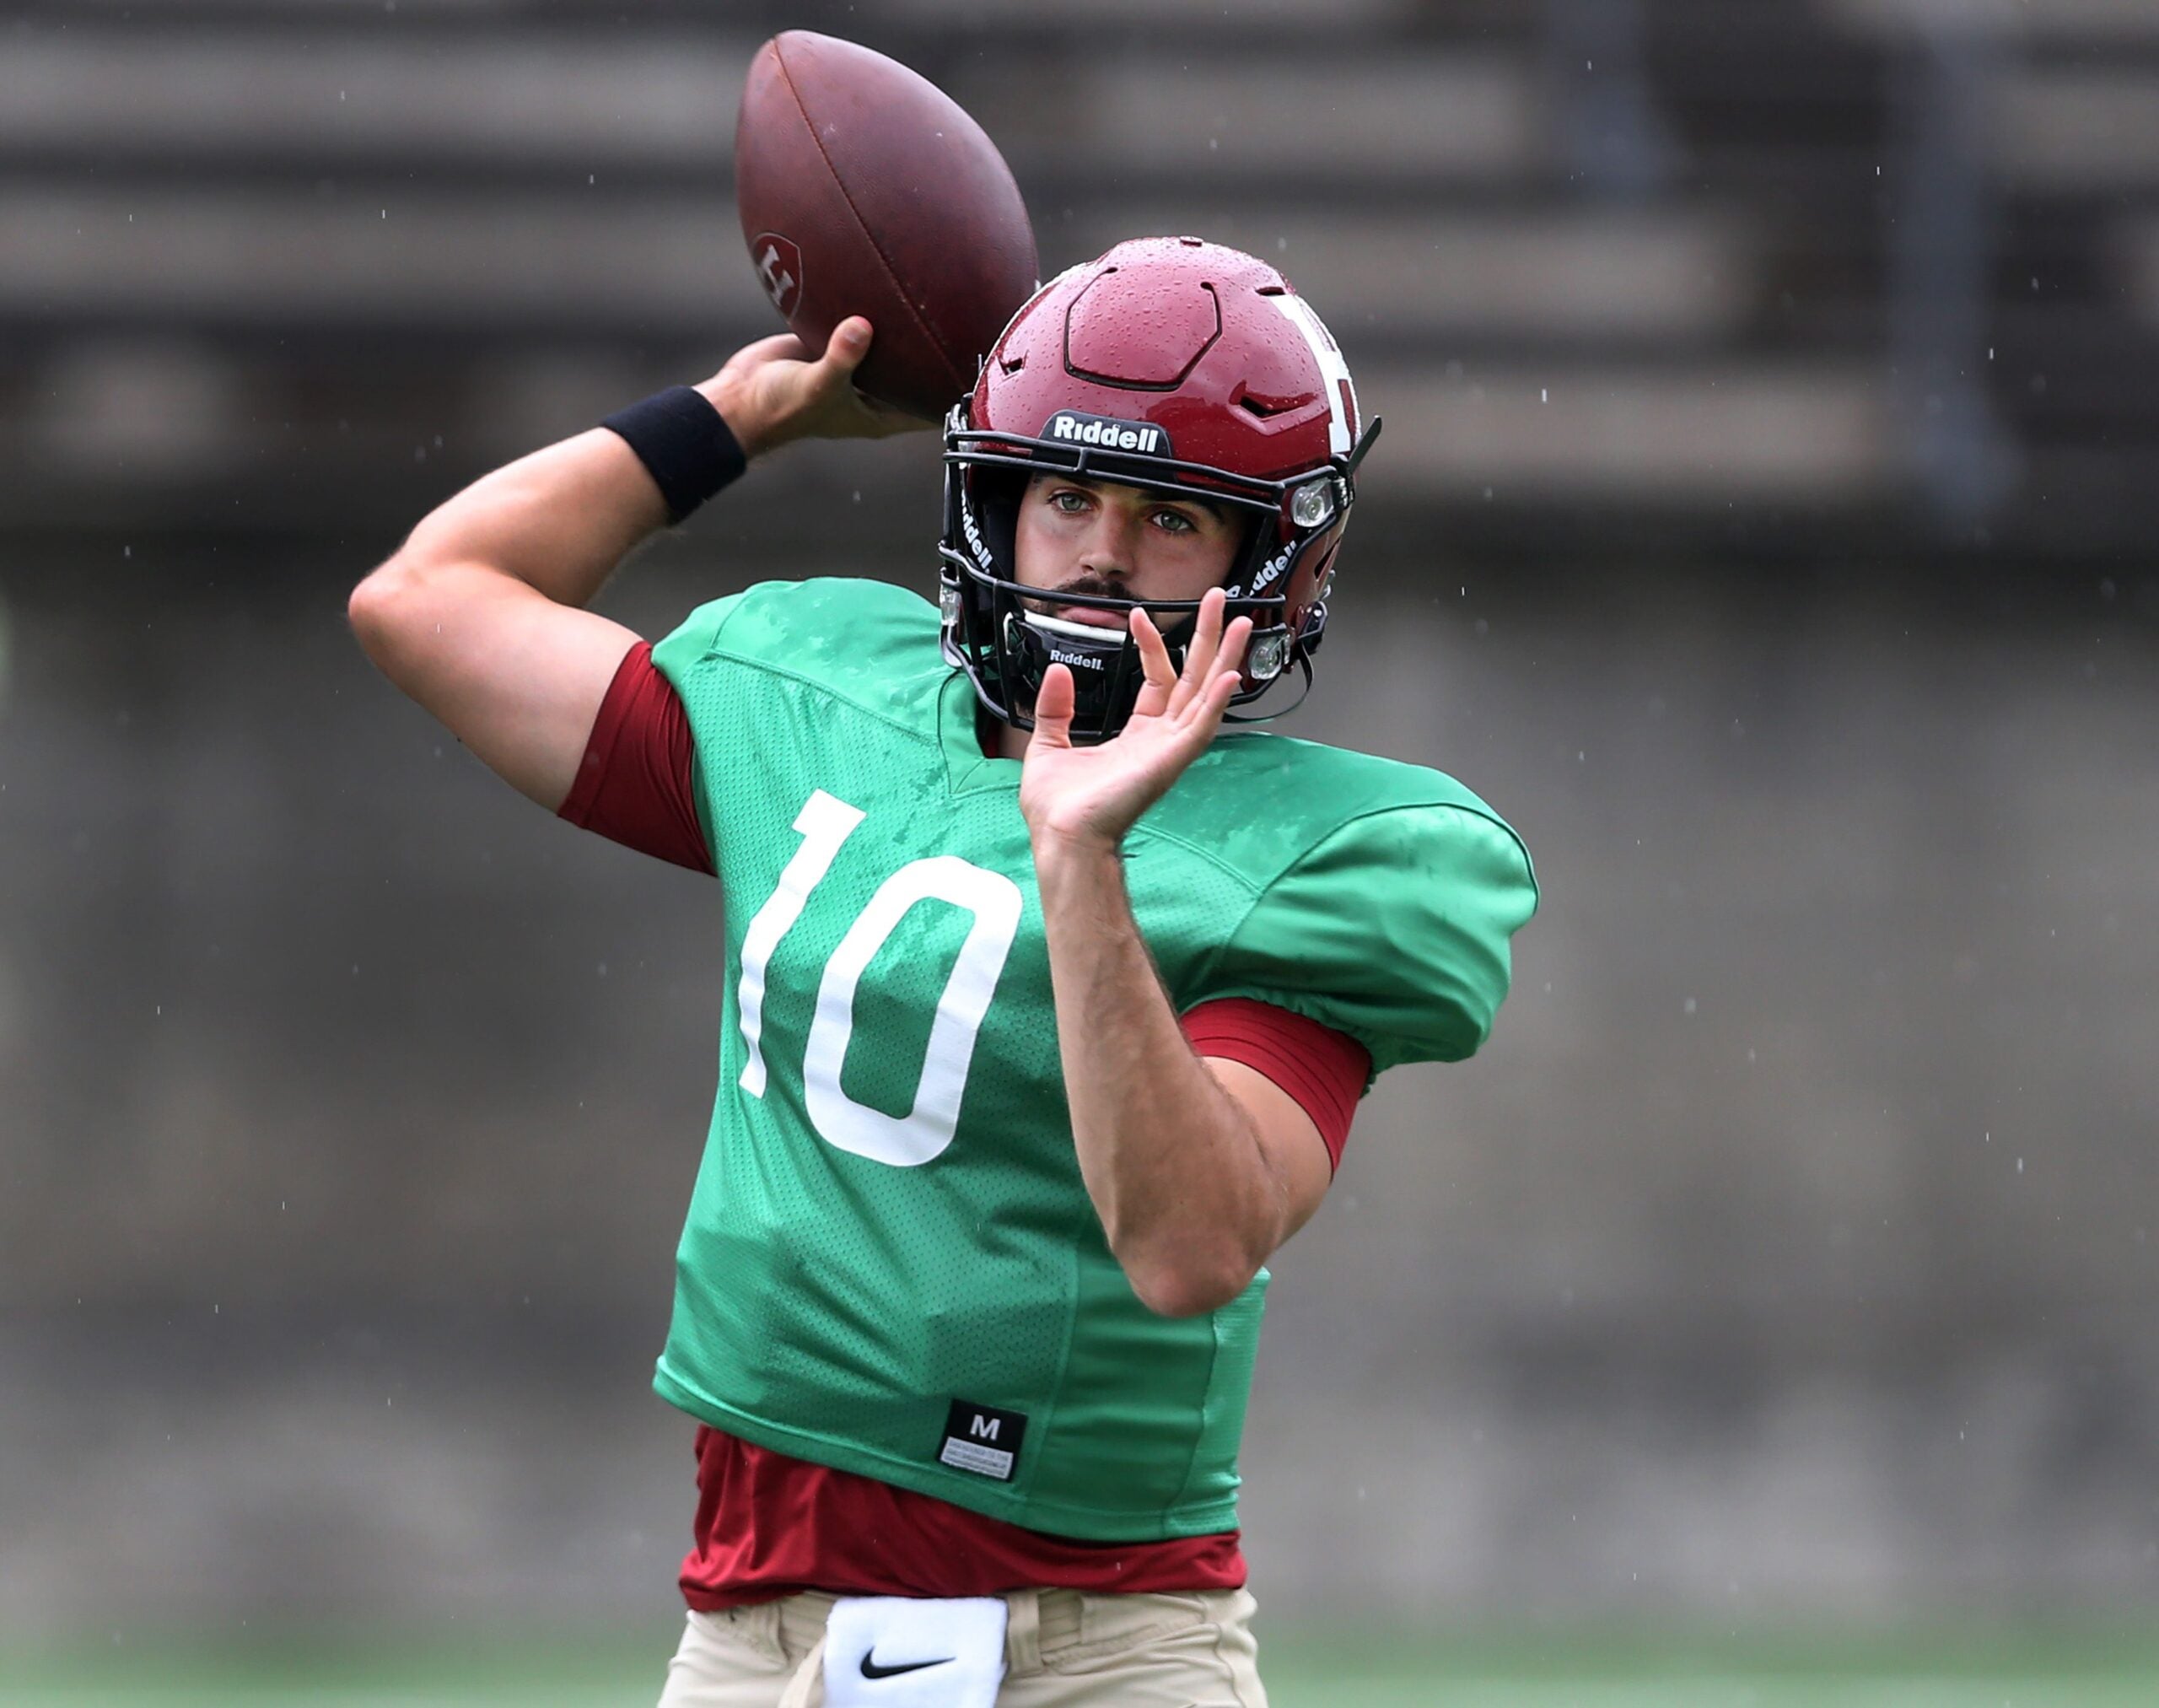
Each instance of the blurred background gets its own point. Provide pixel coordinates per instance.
(1764, 523)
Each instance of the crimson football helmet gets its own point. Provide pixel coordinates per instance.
(1176, 365)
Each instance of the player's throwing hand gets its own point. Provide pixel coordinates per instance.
(773, 390)
(1093, 795)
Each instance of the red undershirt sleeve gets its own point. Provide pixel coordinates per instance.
(1323, 1070)
(634, 783)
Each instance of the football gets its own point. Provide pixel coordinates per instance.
(865, 190)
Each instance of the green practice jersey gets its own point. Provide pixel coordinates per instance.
(890, 1264)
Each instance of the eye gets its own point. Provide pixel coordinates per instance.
(1175, 522)
(1068, 501)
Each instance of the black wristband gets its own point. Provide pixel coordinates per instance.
(684, 445)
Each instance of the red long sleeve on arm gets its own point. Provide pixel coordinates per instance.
(1323, 1070)
(634, 783)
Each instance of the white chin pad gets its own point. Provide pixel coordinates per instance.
(1079, 631)
(891, 1651)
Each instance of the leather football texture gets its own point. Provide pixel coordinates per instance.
(864, 189)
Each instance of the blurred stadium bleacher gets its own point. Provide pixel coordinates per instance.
(1886, 269)
(346, 1107)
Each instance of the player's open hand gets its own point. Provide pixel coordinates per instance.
(1093, 795)
(774, 390)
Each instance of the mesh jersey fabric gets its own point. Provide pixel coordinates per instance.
(768, 1525)
(635, 785)
(889, 1247)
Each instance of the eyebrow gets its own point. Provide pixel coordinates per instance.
(1160, 495)
(1164, 495)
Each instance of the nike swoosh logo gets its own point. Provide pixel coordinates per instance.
(871, 1669)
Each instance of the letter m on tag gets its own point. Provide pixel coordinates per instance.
(983, 1441)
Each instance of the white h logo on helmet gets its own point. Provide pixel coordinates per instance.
(1334, 372)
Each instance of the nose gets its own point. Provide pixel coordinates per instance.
(1111, 544)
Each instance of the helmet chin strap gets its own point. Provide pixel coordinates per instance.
(1105, 664)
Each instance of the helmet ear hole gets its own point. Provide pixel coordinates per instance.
(1323, 571)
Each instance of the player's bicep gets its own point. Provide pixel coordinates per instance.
(516, 677)
(1289, 1140)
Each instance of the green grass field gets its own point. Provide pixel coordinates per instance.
(2056, 1670)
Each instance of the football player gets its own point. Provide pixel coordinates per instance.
(1048, 999)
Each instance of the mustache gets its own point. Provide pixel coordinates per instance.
(1091, 586)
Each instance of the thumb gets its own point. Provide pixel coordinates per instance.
(847, 347)
(1053, 703)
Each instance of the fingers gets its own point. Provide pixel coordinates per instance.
(781, 347)
(1215, 701)
(1212, 650)
(1204, 710)
(861, 415)
(831, 377)
(1227, 665)
(1053, 703)
(847, 347)
(1206, 642)
(1234, 639)
(1202, 651)
(1162, 675)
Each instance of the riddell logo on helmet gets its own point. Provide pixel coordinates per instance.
(1075, 661)
(1072, 428)
(1270, 572)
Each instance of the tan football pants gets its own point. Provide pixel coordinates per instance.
(1061, 1650)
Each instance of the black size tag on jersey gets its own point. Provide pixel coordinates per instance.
(983, 1439)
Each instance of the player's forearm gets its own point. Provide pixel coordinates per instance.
(1172, 1162)
(555, 523)
(559, 520)
(478, 616)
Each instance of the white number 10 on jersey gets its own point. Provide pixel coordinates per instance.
(993, 902)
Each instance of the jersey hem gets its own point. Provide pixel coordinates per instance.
(1052, 1518)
